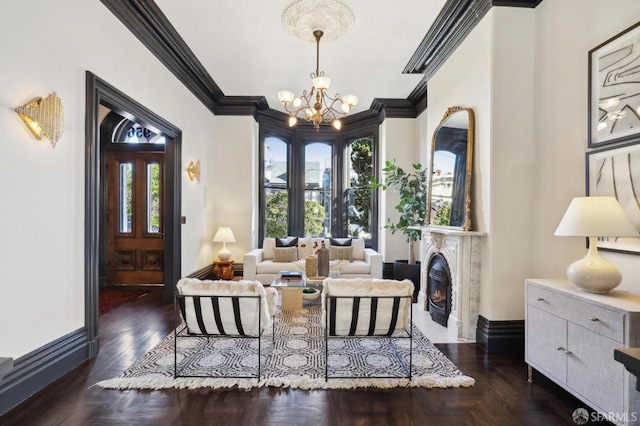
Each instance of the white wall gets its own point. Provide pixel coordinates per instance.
(400, 143)
(47, 46)
(465, 80)
(561, 122)
(512, 162)
(232, 183)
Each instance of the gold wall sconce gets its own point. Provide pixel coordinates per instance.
(193, 170)
(44, 117)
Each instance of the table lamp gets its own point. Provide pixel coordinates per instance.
(595, 217)
(224, 236)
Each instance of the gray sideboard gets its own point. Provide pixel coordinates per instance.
(571, 336)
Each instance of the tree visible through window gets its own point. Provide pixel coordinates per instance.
(359, 192)
(302, 192)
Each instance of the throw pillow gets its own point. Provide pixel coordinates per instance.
(341, 253)
(287, 242)
(358, 248)
(305, 247)
(285, 254)
(343, 242)
(267, 248)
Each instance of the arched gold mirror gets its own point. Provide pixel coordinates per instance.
(449, 201)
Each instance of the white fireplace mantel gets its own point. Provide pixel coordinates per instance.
(461, 250)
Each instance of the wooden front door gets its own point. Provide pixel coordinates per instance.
(135, 238)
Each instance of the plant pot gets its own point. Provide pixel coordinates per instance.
(402, 269)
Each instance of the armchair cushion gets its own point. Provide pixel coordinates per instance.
(236, 316)
(355, 316)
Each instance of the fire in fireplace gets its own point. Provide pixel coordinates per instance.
(439, 289)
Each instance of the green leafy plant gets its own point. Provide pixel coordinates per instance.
(362, 162)
(412, 189)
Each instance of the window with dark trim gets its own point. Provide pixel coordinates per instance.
(317, 183)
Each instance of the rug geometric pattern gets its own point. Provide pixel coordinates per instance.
(296, 360)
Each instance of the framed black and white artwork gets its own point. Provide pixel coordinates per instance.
(614, 89)
(615, 172)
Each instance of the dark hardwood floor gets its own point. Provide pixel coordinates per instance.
(501, 395)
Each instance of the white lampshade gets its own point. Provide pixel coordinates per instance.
(595, 217)
(224, 236)
(286, 96)
(322, 82)
(350, 100)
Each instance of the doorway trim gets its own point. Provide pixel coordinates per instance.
(99, 92)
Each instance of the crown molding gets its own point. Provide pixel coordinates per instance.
(147, 22)
(517, 3)
(455, 21)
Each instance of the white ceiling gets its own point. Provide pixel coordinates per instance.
(247, 52)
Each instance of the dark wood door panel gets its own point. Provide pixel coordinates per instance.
(135, 240)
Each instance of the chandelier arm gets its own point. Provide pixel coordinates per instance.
(334, 111)
(321, 107)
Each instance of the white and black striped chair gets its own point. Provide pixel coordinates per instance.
(367, 307)
(205, 308)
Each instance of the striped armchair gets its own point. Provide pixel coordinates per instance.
(239, 309)
(367, 307)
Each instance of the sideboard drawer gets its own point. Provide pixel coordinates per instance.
(547, 300)
(588, 315)
(598, 319)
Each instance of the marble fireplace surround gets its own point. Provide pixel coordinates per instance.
(461, 250)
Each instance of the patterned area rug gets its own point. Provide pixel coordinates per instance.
(295, 360)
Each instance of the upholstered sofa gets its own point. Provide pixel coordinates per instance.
(264, 264)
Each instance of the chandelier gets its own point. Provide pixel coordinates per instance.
(316, 105)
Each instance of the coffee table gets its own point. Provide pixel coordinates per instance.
(291, 291)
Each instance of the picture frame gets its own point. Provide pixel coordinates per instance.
(615, 171)
(614, 89)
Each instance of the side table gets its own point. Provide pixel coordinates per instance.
(223, 269)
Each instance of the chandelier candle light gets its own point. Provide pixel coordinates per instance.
(316, 105)
(595, 217)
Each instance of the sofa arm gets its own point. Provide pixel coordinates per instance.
(374, 259)
(250, 264)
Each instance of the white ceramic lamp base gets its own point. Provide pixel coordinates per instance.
(224, 253)
(592, 273)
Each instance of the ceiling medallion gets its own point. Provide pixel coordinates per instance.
(303, 17)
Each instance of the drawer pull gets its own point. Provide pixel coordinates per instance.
(594, 319)
(560, 348)
(540, 299)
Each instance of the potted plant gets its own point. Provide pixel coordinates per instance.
(412, 189)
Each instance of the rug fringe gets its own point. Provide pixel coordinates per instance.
(304, 383)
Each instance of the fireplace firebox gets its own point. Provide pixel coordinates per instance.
(439, 289)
